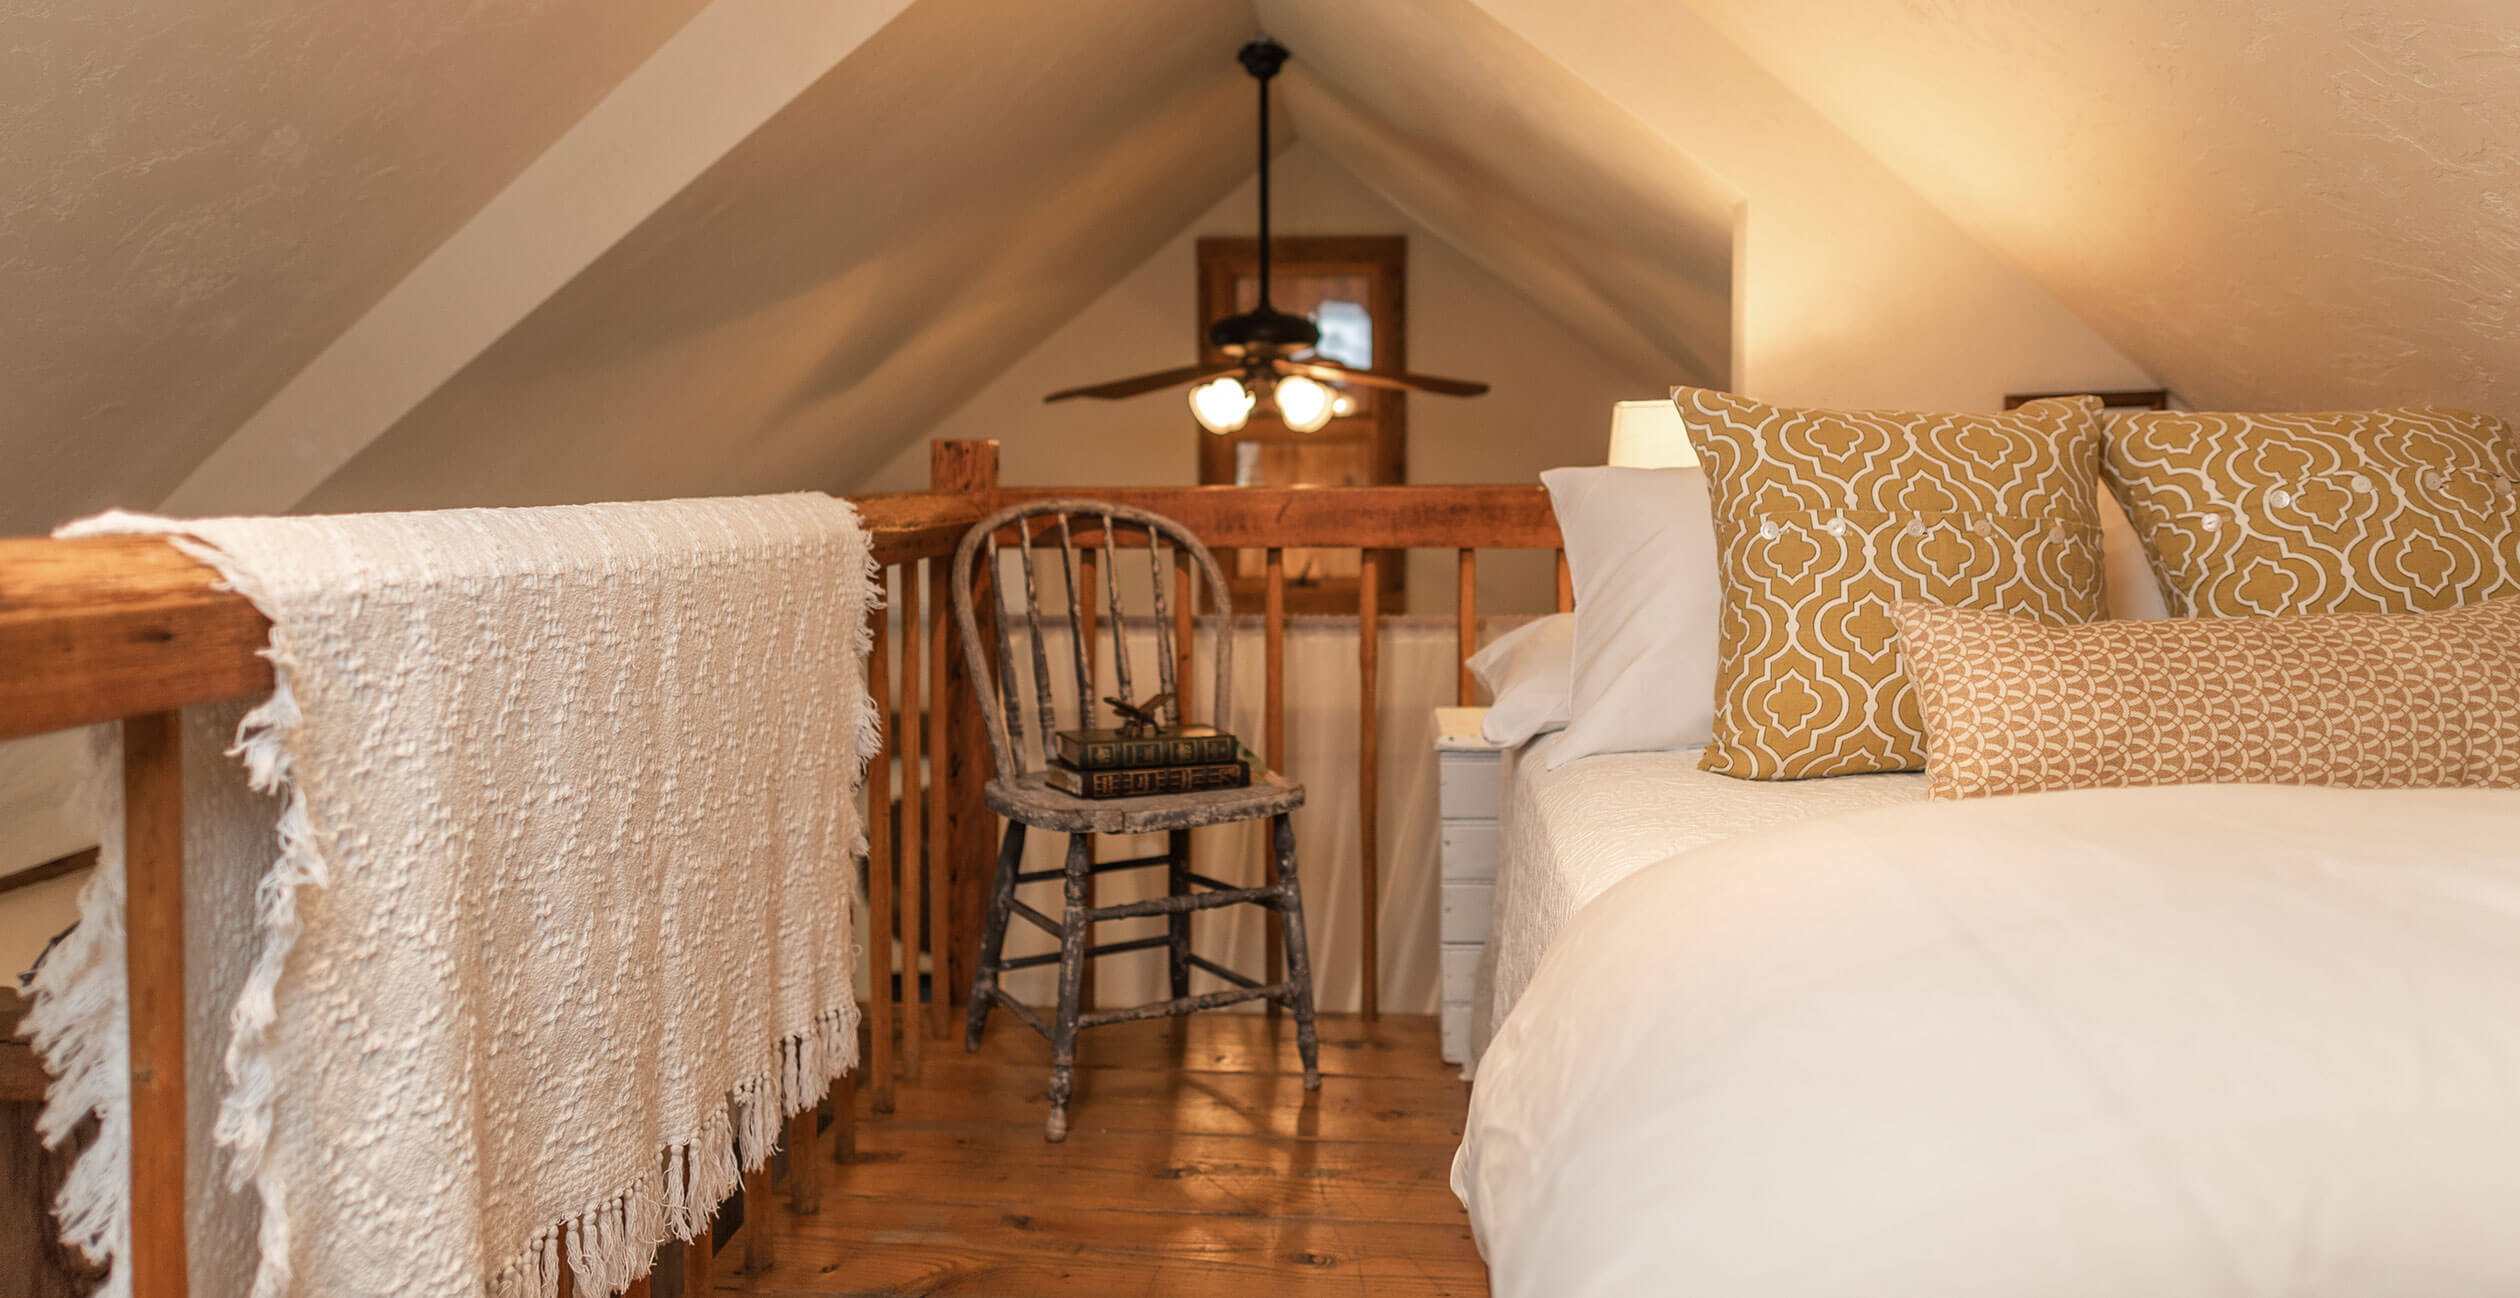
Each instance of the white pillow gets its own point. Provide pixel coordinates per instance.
(1640, 544)
(2125, 571)
(1528, 673)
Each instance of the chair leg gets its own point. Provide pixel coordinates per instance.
(984, 970)
(1298, 959)
(1177, 848)
(1075, 938)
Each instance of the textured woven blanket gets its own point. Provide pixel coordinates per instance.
(525, 916)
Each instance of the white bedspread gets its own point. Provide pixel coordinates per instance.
(2168, 1042)
(1571, 833)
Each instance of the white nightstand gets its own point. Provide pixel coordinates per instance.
(1468, 770)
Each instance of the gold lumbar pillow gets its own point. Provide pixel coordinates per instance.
(2362, 700)
(2358, 511)
(1824, 519)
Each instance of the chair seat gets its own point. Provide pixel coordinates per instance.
(1030, 799)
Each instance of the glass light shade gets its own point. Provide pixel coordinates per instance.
(1303, 403)
(1222, 405)
(1648, 435)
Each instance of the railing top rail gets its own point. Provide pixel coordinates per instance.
(101, 628)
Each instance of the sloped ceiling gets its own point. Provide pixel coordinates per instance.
(199, 196)
(903, 229)
(1484, 141)
(2278, 206)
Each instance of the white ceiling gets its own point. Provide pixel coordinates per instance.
(217, 208)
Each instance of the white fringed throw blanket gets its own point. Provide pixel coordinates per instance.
(536, 918)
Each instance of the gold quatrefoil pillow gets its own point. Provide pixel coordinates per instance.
(1824, 519)
(2355, 700)
(2356, 511)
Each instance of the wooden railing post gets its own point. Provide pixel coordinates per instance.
(968, 468)
(1369, 778)
(153, 928)
(879, 854)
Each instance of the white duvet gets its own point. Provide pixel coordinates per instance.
(2142, 1042)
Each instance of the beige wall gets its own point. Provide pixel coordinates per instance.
(1849, 288)
(1550, 404)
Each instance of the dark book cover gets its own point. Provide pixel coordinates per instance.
(1141, 781)
(1098, 750)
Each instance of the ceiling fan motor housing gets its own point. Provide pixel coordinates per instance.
(1266, 329)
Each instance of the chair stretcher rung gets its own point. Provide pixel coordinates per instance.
(1021, 1011)
(1202, 962)
(1156, 942)
(1187, 901)
(1044, 922)
(1203, 881)
(1278, 991)
(1102, 867)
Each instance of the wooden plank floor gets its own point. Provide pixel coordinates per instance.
(1197, 1164)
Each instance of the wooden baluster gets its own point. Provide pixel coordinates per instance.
(1565, 585)
(879, 872)
(969, 469)
(1468, 624)
(941, 991)
(1185, 613)
(844, 1091)
(804, 1170)
(699, 1261)
(760, 1252)
(905, 862)
(153, 920)
(1273, 726)
(1369, 775)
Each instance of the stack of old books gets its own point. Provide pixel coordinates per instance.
(1136, 761)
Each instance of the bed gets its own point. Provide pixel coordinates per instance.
(1568, 835)
(2168, 1041)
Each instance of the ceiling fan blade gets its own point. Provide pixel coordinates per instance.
(1402, 382)
(1118, 388)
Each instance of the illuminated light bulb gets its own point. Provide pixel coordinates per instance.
(1222, 405)
(1343, 405)
(1303, 403)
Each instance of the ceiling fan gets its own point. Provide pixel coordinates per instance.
(1271, 351)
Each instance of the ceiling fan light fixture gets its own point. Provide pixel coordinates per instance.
(1305, 404)
(1222, 405)
(1342, 405)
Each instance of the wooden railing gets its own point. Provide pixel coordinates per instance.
(130, 629)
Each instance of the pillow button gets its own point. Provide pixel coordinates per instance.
(2279, 498)
(1915, 527)
(2211, 522)
(1836, 527)
(2361, 483)
(1768, 530)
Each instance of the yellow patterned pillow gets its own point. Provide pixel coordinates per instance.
(2361, 511)
(2363, 700)
(1824, 519)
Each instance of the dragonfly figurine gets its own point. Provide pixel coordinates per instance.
(1140, 718)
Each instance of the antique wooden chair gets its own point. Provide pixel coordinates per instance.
(1021, 792)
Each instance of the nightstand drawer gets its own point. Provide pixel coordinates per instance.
(1466, 785)
(1461, 972)
(1468, 910)
(1469, 849)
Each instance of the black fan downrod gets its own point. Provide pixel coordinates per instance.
(1265, 327)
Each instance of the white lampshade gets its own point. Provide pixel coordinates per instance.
(1302, 403)
(1648, 435)
(1222, 405)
